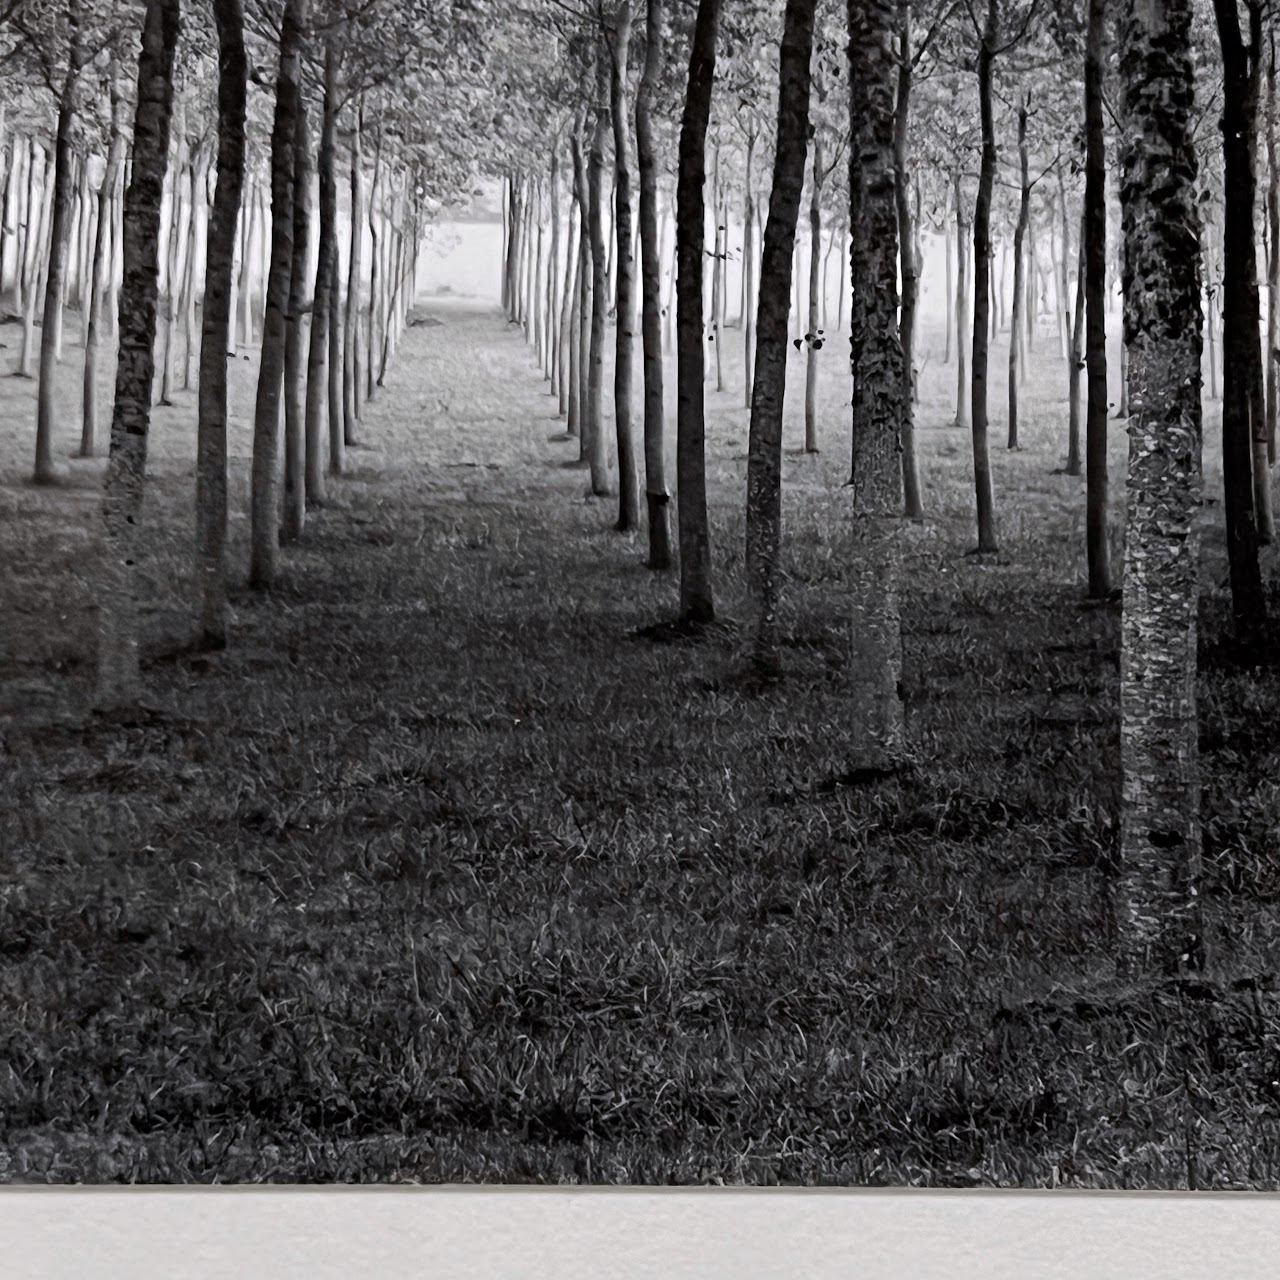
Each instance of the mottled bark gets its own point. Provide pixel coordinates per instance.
(295, 436)
(697, 603)
(875, 711)
(764, 448)
(265, 500)
(118, 676)
(655, 475)
(1157, 906)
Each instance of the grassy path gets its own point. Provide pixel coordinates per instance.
(439, 873)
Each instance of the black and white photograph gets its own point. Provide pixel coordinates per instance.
(640, 593)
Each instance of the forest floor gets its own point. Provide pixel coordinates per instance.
(442, 872)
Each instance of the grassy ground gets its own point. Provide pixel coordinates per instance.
(440, 873)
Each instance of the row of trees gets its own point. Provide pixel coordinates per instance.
(1162, 191)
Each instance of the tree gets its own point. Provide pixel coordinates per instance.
(628, 481)
(597, 450)
(655, 483)
(768, 384)
(879, 388)
(265, 506)
(697, 605)
(1157, 902)
(1094, 249)
(211, 446)
(118, 677)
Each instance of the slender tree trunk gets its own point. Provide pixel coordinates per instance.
(1077, 363)
(199, 182)
(1273, 259)
(880, 391)
(265, 502)
(583, 301)
(811, 339)
(909, 268)
(295, 434)
(697, 605)
(173, 267)
(323, 306)
(655, 475)
(566, 392)
(963, 382)
(45, 407)
(1095, 252)
(118, 676)
(981, 290)
(1157, 903)
(597, 451)
(628, 478)
(552, 367)
(337, 435)
(1240, 324)
(351, 327)
(97, 283)
(749, 275)
(211, 446)
(371, 335)
(764, 449)
(1020, 289)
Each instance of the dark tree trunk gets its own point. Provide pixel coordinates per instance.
(1157, 900)
(764, 449)
(697, 604)
(912, 503)
(1097, 543)
(655, 475)
(981, 284)
(351, 326)
(265, 504)
(211, 446)
(118, 676)
(628, 479)
(963, 333)
(1240, 319)
(1077, 364)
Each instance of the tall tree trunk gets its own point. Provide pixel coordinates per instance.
(351, 325)
(597, 450)
(1240, 353)
(173, 264)
(628, 478)
(879, 391)
(552, 367)
(337, 434)
(749, 274)
(1273, 259)
(1157, 904)
(371, 335)
(1077, 363)
(295, 435)
(764, 448)
(199, 182)
(568, 389)
(97, 283)
(949, 308)
(265, 503)
(909, 268)
(1020, 289)
(812, 342)
(1097, 542)
(981, 290)
(585, 279)
(322, 307)
(118, 677)
(211, 446)
(44, 469)
(963, 381)
(697, 604)
(655, 474)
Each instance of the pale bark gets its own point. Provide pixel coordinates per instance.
(812, 341)
(597, 446)
(318, 424)
(296, 445)
(909, 267)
